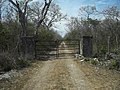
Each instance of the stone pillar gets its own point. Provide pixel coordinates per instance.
(81, 46)
(87, 46)
(28, 47)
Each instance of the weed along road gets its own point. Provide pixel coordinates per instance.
(59, 74)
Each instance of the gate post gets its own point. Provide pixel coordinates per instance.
(79, 44)
(87, 46)
(28, 46)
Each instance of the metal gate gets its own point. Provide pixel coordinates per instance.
(46, 49)
(68, 48)
(56, 49)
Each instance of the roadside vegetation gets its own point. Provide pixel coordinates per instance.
(22, 21)
(105, 33)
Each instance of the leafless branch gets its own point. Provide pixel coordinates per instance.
(44, 12)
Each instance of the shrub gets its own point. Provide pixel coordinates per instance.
(7, 62)
(114, 64)
(21, 63)
(94, 62)
(95, 55)
(87, 59)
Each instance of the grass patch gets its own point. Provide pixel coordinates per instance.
(114, 64)
(94, 62)
(8, 62)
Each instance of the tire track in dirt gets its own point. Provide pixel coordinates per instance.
(77, 76)
(53, 76)
(39, 79)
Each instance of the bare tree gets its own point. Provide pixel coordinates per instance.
(53, 15)
(34, 11)
(113, 15)
(1, 4)
(0, 9)
(44, 12)
(22, 15)
(87, 10)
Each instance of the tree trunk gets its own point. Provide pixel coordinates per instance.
(23, 22)
(108, 44)
(0, 15)
(117, 46)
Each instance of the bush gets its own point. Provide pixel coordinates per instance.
(87, 59)
(21, 63)
(94, 62)
(7, 62)
(114, 64)
(95, 55)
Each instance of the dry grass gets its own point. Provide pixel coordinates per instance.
(102, 79)
(57, 76)
(19, 80)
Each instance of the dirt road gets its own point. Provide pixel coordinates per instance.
(68, 74)
(59, 74)
(62, 74)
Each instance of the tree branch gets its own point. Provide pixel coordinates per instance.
(13, 3)
(25, 9)
(44, 12)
